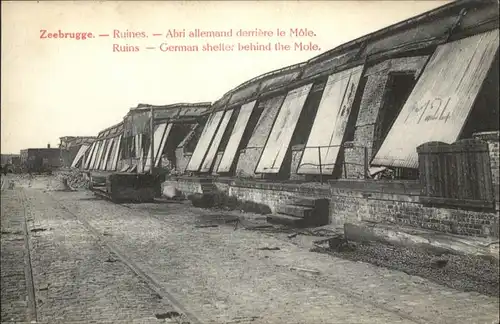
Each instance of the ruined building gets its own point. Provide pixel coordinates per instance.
(125, 147)
(401, 99)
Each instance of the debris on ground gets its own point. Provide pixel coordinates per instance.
(73, 180)
(43, 287)
(256, 227)
(207, 225)
(38, 230)
(337, 243)
(166, 315)
(316, 272)
(461, 272)
(269, 248)
(111, 259)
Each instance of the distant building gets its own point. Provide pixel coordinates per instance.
(9, 159)
(11, 162)
(35, 159)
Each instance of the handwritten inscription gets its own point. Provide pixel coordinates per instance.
(431, 109)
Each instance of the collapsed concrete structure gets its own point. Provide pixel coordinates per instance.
(126, 146)
(70, 146)
(402, 98)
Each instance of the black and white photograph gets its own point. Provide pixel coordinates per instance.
(250, 162)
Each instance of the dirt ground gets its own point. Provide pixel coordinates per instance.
(84, 260)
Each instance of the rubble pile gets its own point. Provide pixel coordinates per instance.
(74, 179)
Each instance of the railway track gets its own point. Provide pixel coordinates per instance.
(178, 312)
(28, 268)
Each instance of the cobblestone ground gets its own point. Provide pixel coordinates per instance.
(76, 279)
(218, 274)
(15, 294)
(221, 274)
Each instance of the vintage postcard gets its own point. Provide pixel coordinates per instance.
(288, 162)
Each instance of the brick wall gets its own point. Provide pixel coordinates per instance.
(351, 205)
(275, 194)
(297, 152)
(353, 167)
(357, 200)
(372, 100)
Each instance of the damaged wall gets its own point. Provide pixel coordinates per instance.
(367, 132)
(399, 207)
(351, 201)
(402, 48)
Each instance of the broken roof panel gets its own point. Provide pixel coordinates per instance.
(442, 99)
(214, 146)
(204, 141)
(104, 159)
(79, 155)
(160, 136)
(277, 144)
(270, 109)
(330, 123)
(115, 154)
(90, 156)
(235, 138)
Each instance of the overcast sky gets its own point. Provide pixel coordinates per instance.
(66, 87)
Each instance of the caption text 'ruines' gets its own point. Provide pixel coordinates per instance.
(198, 40)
